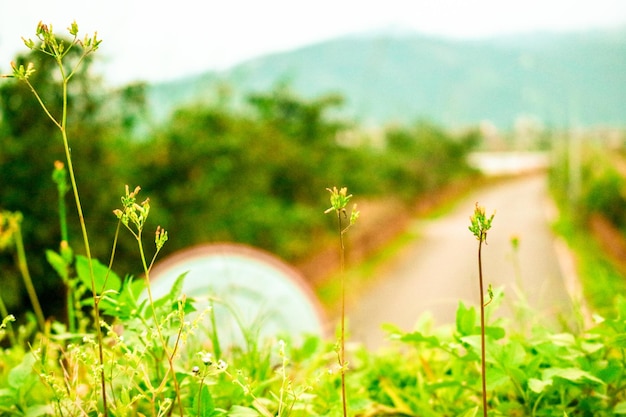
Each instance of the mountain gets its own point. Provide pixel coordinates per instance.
(559, 79)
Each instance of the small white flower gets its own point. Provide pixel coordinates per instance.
(207, 358)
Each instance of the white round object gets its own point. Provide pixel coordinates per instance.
(251, 291)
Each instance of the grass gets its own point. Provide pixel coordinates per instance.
(600, 278)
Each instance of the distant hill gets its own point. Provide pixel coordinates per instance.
(559, 79)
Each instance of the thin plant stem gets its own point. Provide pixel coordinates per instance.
(215, 340)
(342, 337)
(9, 327)
(70, 167)
(482, 329)
(59, 177)
(83, 228)
(28, 282)
(338, 200)
(479, 225)
(50, 46)
(169, 355)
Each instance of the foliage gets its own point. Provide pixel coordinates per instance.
(217, 172)
(595, 184)
(124, 352)
(586, 180)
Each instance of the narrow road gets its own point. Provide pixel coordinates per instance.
(439, 269)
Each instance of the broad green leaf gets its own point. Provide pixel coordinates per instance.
(39, 410)
(496, 378)
(22, 373)
(169, 298)
(512, 354)
(570, 374)
(239, 411)
(619, 341)
(124, 305)
(203, 405)
(563, 339)
(495, 332)
(465, 320)
(104, 278)
(472, 412)
(309, 346)
(620, 408)
(417, 337)
(177, 288)
(58, 264)
(537, 385)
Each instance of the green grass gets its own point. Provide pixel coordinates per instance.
(600, 278)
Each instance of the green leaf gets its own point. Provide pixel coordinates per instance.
(39, 410)
(418, 337)
(496, 332)
(239, 411)
(570, 374)
(104, 278)
(203, 405)
(620, 408)
(466, 320)
(537, 385)
(472, 412)
(496, 378)
(58, 264)
(22, 374)
(177, 288)
(124, 305)
(512, 354)
(170, 298)
(619, 341)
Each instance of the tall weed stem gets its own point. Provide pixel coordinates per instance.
(479, 225)
(133, 216)
(59, 176)
(28, 282)
(58, 50)
(339, 200)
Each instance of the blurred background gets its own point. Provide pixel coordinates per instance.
(235, 116)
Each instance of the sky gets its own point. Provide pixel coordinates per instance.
(152, 40)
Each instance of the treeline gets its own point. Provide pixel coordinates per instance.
(254, 174)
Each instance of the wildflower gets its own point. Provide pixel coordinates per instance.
(160, 238)
(134, 213)
(338, 200)
(480, 224)
(207, 358)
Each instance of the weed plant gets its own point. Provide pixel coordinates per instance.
(121, 353)
(479, 225)
(338, 201)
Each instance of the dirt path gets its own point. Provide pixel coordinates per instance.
(439, 268)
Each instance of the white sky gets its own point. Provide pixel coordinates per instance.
(144, 39)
